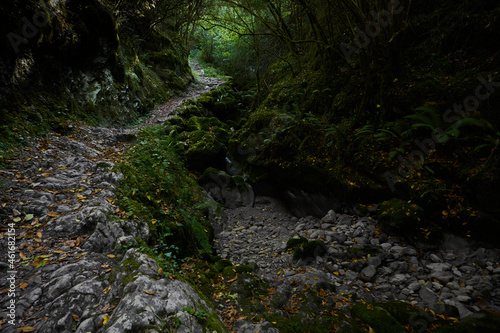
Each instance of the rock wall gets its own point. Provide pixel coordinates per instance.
(76, 60)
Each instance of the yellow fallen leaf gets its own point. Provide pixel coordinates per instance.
(24, 329)
(39, 234)
(23, 285)
(105, 319)
(149, 292)
(75, 317)
(107, 289)
(111, 255)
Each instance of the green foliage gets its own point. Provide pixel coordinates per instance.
(430, 119)
(158, 189)
(378, 318)
(399, 216)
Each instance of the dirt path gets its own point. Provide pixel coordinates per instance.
(202, 85)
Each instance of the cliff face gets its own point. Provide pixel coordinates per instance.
(74, 59)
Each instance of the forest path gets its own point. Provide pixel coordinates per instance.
(202, 85)
(61, 232)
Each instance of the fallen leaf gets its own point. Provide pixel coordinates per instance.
(149, 292)
(75, 317)
(107, 289)
(111, 255)
(39, 234)
(24, 329)
(23, 285)
(105, 319)
(22, 255)
(53, 214)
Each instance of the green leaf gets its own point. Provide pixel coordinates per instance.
(28, 217)
(17, 219)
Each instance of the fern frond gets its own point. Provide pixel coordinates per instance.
(365, 129)
(470, 122)
(429, 117)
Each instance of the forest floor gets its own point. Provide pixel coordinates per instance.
(61, 190)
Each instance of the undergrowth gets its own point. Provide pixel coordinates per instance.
(158, 188)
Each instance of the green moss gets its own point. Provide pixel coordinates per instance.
(221, 264)
(309, 250)
(407, 314)
(243, 268)
(158, 189)
(295, 241)
(480, 322)
(229, 272)
(378, 318)
(298, 324)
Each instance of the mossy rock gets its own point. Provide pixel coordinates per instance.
(407, 314)
(204, 150)
(229, 272)
(204, 123)
(295, 241)
(221, 264)
(189, 111)
(398, 216)
(475, 323)
(377, 318)
(243, 268)
(229, 191)
(309, 250)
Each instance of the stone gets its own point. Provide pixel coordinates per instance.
(427, 295)
(397, 279)
(453, 285)
(443, 277)
(434, 258)
(463, 299)
(374, 261)
(386, 246)
(450, 257)
(414, 286)
(329, 218)
(409, 251)
(439, 267)
(445, 310)
(368, 273)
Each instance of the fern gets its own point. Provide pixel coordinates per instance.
(364, 130)
(429, 118)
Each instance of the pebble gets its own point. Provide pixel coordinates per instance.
(400, 267)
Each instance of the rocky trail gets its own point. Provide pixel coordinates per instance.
(61, 233)
(77, 267)
(353, 259)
